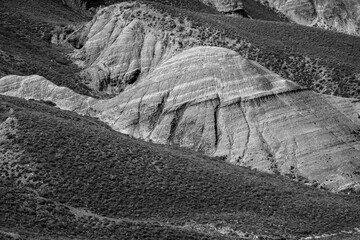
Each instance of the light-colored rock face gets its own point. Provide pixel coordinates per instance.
(120, 45)
(124, 42)
(213, 100)
(37, 87)
(184, 99)
(338, 15)
(225, 5)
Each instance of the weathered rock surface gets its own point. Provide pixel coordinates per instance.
(126, 41)
(37, 87)
(116, 47)
(338, 15)
(213, 100)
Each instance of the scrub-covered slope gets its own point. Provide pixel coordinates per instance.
(213, 100)
(27, 29)
(64, 175)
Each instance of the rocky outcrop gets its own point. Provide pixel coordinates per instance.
(213, 100)
(338, 15)
(37, 87)
(124, 42)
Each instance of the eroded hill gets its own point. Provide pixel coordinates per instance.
(292, 51)
(66, 176)
(324, 61)
(214, 101)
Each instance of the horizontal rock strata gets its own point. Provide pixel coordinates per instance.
(212, 100)
(338, 15)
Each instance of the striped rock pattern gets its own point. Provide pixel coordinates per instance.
(338, 15)
(123, 42)
(37, 87)
(212, 100)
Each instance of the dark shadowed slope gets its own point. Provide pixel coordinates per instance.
(26, 29)
(258, 11)
(28, 216)
(55, 163)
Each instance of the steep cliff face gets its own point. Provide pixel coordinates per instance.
(213, 100)
(338, 15)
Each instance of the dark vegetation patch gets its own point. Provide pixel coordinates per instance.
(25, 48)
(40, 218)
(261, 12)
(80, 162)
